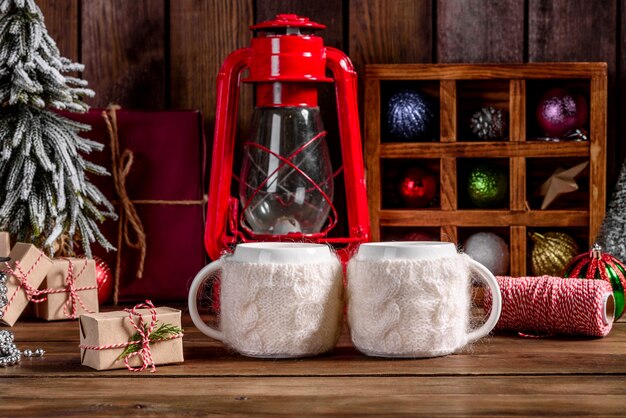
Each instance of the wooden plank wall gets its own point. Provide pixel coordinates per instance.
(166, 53)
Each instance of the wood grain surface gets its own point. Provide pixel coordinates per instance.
(124, 53)
(484, 149)
(484, 218)
(202, 34)
(597, 156)
(62, 19)
(495, 34)
(482, 71)
(500, 375)
(519, 250)
(320, 396)
(372, 151)
(390, 32)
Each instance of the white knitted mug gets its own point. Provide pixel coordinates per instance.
(413, 299)
(277, 300)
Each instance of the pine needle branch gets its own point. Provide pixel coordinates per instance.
(163, 332)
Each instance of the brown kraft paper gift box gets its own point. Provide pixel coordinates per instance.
(108, 328)
(60, 303)
(26, 270)
(5, 244)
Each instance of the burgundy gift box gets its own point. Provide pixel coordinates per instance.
(166, 183)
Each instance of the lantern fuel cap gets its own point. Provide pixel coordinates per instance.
(287, 20)
(287, 49)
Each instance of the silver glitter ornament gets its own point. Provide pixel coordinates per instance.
(489, 123)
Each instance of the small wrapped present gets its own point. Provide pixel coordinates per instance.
(137, 338)
(22, 275)
(5, 244)
(70, 289)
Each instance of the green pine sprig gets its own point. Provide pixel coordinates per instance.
(163, 332)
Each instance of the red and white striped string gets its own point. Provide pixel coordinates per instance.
(544, 306)
(70, 308)
(22, 282)
(144, 353)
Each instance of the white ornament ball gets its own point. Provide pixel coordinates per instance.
(489, 250)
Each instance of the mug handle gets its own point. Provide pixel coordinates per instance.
(496, 306)
(199, 280)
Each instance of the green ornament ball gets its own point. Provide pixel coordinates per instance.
(487, 185)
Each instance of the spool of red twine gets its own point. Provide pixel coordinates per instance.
(545, 306)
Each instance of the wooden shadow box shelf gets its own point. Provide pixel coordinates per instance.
(460, 90)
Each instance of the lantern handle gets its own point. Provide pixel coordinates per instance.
(351, 150)
(228, 81)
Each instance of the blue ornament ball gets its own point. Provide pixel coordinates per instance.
(411, 116)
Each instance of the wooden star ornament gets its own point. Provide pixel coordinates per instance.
(562, 181)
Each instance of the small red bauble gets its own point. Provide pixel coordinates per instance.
(104, 280)
(420, 236)
(418, 187)
(560, 112)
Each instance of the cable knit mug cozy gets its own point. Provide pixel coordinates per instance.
(278, 300)
(413, 299)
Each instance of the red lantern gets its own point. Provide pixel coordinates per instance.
(286, 179)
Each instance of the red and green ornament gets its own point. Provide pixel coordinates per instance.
(598, 265)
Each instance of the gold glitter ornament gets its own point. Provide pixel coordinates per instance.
(551, 252)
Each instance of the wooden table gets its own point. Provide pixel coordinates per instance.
(501, 375)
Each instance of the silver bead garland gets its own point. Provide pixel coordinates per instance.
(9, 354)
(4, 300)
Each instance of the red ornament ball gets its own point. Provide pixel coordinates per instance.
(420, 236)
(418, 187)
(560, 112)
(104, 280)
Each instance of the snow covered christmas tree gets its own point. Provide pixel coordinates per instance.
(44, 191)
(612, 237)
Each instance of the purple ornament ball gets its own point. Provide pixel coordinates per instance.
(560, 112)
